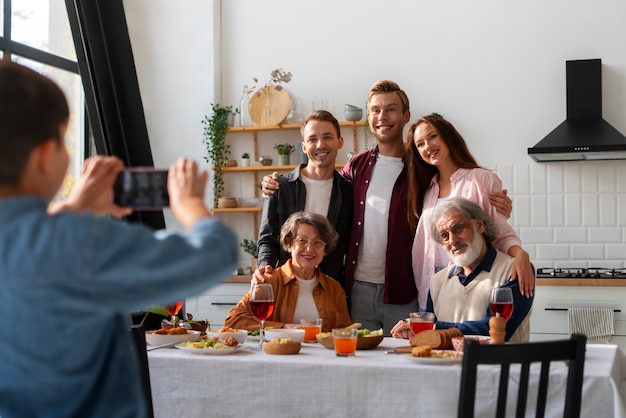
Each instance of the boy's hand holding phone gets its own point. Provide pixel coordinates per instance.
(93, 189)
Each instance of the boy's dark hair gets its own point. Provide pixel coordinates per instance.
(32, 110)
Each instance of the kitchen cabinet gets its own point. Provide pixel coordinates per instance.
(214, 304)
(549, 316)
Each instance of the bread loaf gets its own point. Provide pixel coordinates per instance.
(438, 339)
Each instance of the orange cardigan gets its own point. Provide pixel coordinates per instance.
(329, 297)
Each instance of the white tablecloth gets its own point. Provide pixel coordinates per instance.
(372, 384)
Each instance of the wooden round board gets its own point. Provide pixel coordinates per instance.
(279, 98)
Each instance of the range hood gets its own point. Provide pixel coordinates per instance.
(584, 135)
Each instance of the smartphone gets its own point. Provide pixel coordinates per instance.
(141, 188)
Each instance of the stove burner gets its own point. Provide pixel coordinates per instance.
(582, 273)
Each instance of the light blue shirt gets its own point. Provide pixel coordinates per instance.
(67, 284)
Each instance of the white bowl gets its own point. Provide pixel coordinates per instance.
(294, 333)
(160, 339)
(240, 335)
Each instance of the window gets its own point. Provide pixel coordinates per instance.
(36, 33)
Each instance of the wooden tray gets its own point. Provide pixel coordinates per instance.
(275, 96)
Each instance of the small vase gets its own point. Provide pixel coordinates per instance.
(245, 162)
(283, 159)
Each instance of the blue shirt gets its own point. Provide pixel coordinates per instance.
(67, 284)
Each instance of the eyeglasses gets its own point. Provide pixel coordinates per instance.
(316, 245)
(456, 229)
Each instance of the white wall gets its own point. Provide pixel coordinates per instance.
(173, 44)
(495, 68)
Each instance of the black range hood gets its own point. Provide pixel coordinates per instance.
(584, 135)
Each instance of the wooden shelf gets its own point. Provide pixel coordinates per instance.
(240, 278)
(253, 168)
(246, 209)
(291, 126)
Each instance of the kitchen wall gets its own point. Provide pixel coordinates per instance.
(495, 68)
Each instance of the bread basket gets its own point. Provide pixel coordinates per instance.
(291, 347)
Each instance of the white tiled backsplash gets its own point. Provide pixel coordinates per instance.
(570, 214)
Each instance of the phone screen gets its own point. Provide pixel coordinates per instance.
(142, 188)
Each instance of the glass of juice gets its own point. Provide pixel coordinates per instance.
(345, 341)
(311, 327)
(421, 321)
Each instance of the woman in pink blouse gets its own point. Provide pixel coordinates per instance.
(439, 166)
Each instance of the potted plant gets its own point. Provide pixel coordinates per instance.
(245, 159)
(251, 247)
(218, 151)
(161, 310)
(284, 150)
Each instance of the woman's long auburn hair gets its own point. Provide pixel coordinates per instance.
(420, 172)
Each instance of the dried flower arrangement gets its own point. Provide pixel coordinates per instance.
(276, 77)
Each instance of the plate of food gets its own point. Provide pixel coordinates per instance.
(426, 355)
(239, 334)
(210, 346)
(171, 336)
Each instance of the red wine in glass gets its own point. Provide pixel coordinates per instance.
(505, 310)
(501, 303)
(173, 310)
(261, 304)
(262, 309)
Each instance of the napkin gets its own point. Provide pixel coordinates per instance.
(596, 323)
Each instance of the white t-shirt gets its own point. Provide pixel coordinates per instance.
(305, 305)
(317, 194)
(373, 249)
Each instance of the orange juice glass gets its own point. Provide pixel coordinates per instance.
(345, 341)
(311, 327)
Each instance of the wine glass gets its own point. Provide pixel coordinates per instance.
(173, 310)
(261, 304)
(501, 303)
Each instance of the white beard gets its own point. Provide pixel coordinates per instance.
(471, 253)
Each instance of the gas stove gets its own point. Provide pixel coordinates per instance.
(581, 273)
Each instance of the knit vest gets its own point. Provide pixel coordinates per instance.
(454, 302)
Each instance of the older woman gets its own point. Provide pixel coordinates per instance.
(301, 290)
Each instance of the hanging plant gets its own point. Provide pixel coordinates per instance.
(367, 135)
(218, 151)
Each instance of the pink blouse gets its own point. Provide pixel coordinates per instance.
(474, 184)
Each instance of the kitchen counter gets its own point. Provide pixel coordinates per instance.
(581, 282)
(244, 278)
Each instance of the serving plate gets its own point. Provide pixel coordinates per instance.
(239, 335)
(161, 339)
(455, 357)
(210, 351)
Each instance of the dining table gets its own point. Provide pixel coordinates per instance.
(317, 383)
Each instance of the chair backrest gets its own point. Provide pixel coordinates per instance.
(139, 347)
(572, 351)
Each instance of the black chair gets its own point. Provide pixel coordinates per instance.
(572, 351)
(139, 347)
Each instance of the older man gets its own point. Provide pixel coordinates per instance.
(459, 294)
